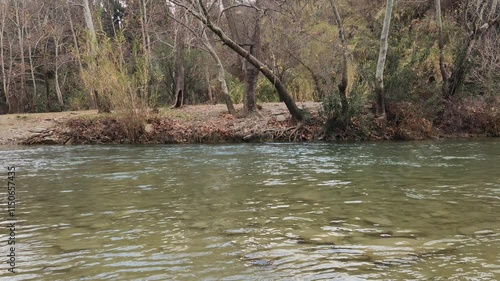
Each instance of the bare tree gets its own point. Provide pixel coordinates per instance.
(442, 69)
(102, 104)
(180, 75)
(344, 79)
(246, 33)
(477, 22)
(379, 76)
(205, 18)
(20, 24)
(5, 79)
(221, 73)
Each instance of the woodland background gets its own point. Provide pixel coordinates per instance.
(441, 61)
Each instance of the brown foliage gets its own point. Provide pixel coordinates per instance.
(472, 117)
(408, 121)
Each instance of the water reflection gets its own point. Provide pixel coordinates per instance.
(423, 210)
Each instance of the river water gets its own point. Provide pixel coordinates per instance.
(370, 211)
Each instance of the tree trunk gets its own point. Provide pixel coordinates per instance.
(280, 88)
(20, 34)
(56, 76)
(179, 63)
(5, 83)
(221, 75)
(146, 52)
(103, 105)
(32, 71)
(235, 35)
(251, 77)
(480, 26)
(47, 89)
(442, 69)
(379, 76)
(90, 25)
(210, 94)
(250, 73)
(344, 79)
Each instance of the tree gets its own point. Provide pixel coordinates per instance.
(5, 79)
(180, 37)
(477, 21)
(204, 17)
(246, 33)
(379, 76)
(344, 79)
(221, 73)
(103, 105)
(442, 69)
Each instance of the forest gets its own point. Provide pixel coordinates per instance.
(413, 64)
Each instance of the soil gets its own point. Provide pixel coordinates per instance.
(16, 128)
(272, 123)
(200, 120)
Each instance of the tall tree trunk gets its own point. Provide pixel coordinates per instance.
(209, 87)
(75, 39)
(249, 73)
(344, 79)
(264, 69)
(235, 35)
(103, 105)
(442, 69)
(77, 50)
(251, 78)
(379, 75)
(480, 26)
(5, 82)
(146, 52)
(34, 99)
(56, 75)
(90, 26)
(47, 89)
(20, 34)
(221, 73)
(179, 62)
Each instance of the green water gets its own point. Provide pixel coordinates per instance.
(372, 211)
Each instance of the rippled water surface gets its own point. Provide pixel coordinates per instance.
(372, 211)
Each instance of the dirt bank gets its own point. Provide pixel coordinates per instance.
(16, 128)
(213, 124)
(190, 124)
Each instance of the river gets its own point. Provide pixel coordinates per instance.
(355, 211)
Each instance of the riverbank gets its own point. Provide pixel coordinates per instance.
(213, 124)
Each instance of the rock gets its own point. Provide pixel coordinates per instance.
(468, 230)
(307, 236)
(200, 225)
(407, 233)
(48, 140)
(148, 128)
(387, 242)
(37, 130)
(280, 118)
(436, 247)
(378, 221)
(440, 213)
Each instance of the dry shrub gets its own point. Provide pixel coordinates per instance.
(479, 116)
(408, 121)
(122, 88)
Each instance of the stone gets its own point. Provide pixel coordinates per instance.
(148, 128)
(48, 140)
(37, 130)
(468, 230)
(280, 118)
(200, 225)
(378, 221)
